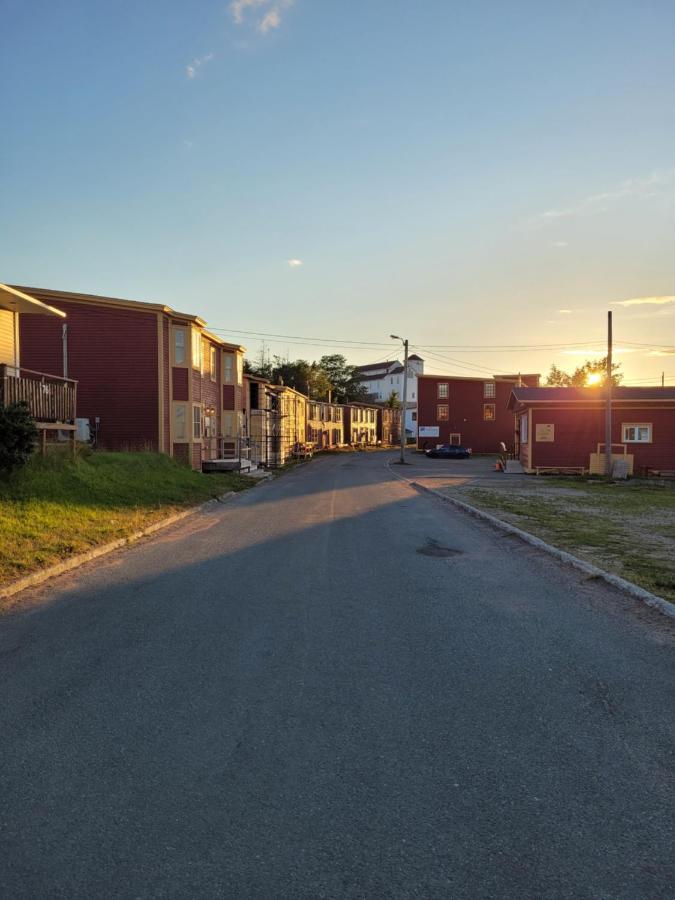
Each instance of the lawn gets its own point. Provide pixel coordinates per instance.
(627, 528)
(57, 507)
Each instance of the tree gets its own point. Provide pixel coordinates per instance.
(343, 378)
(591, 372)
(18, 435)
(393, 401)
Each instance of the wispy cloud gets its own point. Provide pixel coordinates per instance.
(661, 353)
(559, 244)
(264, 15)
(644, 187)
(648, 301)
(192, 68)
(564, 312)
(294, 263)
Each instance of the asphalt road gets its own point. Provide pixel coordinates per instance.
(300, 694)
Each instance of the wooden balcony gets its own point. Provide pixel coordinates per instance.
(51, 400)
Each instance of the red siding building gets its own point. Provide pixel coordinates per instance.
(468, 411)
(564, 428)
(149, 378)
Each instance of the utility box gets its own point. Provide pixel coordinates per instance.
(83, 433)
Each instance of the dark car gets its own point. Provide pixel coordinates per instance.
(449, 451)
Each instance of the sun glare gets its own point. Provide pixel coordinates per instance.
(593, 378)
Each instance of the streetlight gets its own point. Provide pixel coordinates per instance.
(395, 337)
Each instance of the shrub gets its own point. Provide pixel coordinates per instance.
(18, 435)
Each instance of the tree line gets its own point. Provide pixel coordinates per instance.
(329, 377)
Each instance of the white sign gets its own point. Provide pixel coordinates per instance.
(428, 431)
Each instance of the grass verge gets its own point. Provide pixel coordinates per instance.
(57, 507)
(628, 529)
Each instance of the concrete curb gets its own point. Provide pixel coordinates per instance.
(35, 578)
(663, 606)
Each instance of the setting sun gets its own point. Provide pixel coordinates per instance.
(593, 378)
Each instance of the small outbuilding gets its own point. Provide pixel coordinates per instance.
(563, 428)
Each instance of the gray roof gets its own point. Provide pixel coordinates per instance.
(586, 394)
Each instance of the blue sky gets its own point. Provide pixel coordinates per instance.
(458, 173)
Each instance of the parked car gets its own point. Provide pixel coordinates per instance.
(449, 451)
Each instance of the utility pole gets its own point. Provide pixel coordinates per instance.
(608, 410)
(395, 337)
(663, 379)
(64, 340)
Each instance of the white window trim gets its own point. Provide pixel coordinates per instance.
(196, 407)
(636, 440)
(179, 332)
(213, 362)
(489, 390)
(492, 418)
(442, 394)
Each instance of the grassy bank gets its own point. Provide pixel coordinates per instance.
(57, 507)
(625, 528)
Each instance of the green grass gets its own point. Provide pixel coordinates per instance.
(618, 527)
(57, 507)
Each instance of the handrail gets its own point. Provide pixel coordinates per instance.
(20, 369)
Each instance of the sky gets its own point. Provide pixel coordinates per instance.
(485, 179)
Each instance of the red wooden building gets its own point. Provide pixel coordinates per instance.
(564, 428)
(149, 378)
(468, 411)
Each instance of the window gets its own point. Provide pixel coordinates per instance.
(455, 439)
(227, 368)
(523, 429)
(413, 395)
(637, 434)
(443, 391)
(210, 426)
(489, 388)
(212, 362)
(196, 349)
(442, 412)
(228, 425)
(414, 416)
(179, 425)
(179, 346)
(488, 412)
(197, 423)
(240, 368)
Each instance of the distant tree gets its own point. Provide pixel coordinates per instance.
(343, 378)
(261, 365)
(393, 401)
(591, 372)
(18, 435)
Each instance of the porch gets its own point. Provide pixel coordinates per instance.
(51, 400)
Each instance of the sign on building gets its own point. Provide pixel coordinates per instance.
(428, 431)
(544, 433)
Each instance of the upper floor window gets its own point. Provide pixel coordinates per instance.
(228, 364)
(179, 346)
(637, 434)
(443, 391)
(489, 388)
(240, 368)
(196, 349)
(442, 412)
(212, 362)
(488, 412)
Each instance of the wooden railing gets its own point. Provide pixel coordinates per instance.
(49, 398)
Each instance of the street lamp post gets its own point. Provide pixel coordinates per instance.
(395, 337)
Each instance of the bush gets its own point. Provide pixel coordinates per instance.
(18, 435)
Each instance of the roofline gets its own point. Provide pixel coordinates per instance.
(502, 378)
(77, 297)
(35, 305)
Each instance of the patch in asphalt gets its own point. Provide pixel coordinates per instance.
(433, 548)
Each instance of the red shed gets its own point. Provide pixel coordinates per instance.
(564, 428)
(468, 411)
(149, 378)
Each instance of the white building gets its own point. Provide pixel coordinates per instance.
(383, 378)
